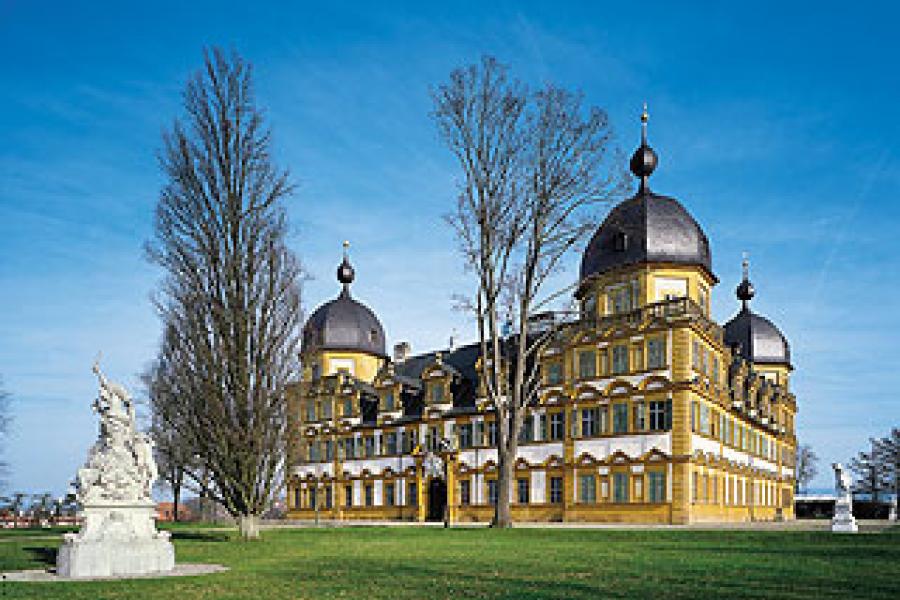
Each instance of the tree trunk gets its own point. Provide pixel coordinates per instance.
(176, 496)
(249, 527)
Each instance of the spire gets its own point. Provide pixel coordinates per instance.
(345, 272)
(745, 291)
(644, 159)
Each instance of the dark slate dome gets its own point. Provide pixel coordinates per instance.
(753, 336)
(344, 323)
(647, 227)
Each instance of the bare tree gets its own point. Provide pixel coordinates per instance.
(230, 300)
(870, 474)
(806, 467)
(887, 450)
(531, 165)
(173, 452)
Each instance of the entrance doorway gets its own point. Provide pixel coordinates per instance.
(437, 499)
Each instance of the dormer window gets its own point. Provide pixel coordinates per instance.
(437, 393)
(389, 401)
(620, 241)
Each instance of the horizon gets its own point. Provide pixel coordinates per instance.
(778, 141)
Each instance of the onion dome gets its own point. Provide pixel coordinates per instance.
(646, 228)
(343, 323)
(752, 336)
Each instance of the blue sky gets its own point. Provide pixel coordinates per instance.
(776, 126)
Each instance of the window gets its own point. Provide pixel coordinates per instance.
(311, 410)
(589, 307)
(557, 425)
(465, 435)
(661, 415)
(312, 497)
(465, 492)
(704, 419)
(348, 495)
(620, 300)
(656, 353)
(492, 491)
(590, 422)
(412, 497)
(389, 494)
(432, 439)
(492, 434)
(715, 370)
(478, 433)
(556, 490)
(329, 450)
(620, 359)
(587, 364)
(543, 427)
(640, 416)
(328, 499)
(635, 293)
(554, 373)
(522, 490)
(620, 417)
(369, 495)
(437, 393)
(370, 446)
(390, 441)
(656, 484)
(526, 434)
(695, 355)
(389, 401)
(704, 296)
(348, 407)
(620, 487)
(587, 487)
(316, 371)
(326, 409)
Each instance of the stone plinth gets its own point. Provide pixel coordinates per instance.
(116, 540)
(843, 521)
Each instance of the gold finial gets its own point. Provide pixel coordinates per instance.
(745, 265)
(645, 116)
(346, 244)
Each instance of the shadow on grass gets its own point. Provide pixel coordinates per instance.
(42, 554)
(199, 536)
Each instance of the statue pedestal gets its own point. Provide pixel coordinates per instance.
(116, 540)
(843, 521)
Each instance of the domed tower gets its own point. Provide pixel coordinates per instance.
(648, 249)
(343, 335)
(755, 338)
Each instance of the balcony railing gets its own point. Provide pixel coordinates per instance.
(667, 310)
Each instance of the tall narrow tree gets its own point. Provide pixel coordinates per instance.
(532, 165)
(230, 299)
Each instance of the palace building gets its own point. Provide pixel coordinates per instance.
(649, 410)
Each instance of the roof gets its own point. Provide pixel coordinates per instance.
(757, 339)
(646, 228)
(344, 324)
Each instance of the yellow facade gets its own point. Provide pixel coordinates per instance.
(643, 427)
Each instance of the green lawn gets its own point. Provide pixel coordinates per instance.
(410, 562)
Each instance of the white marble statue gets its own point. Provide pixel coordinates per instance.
(118, 535)
(843, 521)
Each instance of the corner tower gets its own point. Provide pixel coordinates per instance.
(343, 335)
(648, 249)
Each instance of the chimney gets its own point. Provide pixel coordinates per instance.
(401, 351)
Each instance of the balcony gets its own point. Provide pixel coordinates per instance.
(669, 311)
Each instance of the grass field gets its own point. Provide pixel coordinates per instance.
(409, 562)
